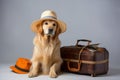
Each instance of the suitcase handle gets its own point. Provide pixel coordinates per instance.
(73, 69)
(84, 40)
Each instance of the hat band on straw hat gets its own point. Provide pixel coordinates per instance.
(51, 17)
(21, 69)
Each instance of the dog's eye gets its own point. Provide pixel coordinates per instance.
(46, 23)
(54, 24)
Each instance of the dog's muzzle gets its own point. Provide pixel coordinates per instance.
(49, 32)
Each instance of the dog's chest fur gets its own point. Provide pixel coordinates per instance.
(44, 48)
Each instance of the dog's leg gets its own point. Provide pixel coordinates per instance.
(46, 65)
(45, 69)
(55, 68)
(34, 69)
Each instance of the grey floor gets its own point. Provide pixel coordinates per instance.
(6, 74)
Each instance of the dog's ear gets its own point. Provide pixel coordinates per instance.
(58, 30)
(36, 27)
(62, 26)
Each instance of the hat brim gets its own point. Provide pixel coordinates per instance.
(60, 23)
(14, 69)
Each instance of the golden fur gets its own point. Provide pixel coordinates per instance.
(46, 57)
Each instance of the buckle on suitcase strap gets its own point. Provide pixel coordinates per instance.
(78, 63)
(73, 69)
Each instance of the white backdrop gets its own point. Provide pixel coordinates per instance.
(97, 20)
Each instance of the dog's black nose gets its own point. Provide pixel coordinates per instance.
(50, 31)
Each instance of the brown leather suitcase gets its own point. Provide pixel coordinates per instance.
(85, 59)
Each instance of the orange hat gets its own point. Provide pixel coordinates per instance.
(22, 66)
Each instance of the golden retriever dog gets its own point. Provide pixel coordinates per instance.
(46, 57)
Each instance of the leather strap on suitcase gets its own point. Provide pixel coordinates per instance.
(79, 60)
(78, 63)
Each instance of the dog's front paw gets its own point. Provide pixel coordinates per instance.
(52, 74)
(31, 74)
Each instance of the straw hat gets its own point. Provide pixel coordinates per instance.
(22, 66)
(50, 15)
